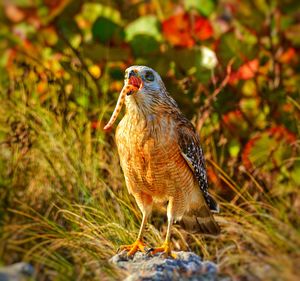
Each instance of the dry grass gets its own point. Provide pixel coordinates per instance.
(65, 207)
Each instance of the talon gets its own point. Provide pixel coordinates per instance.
(138, 245)
(149, 251)
(165, 249)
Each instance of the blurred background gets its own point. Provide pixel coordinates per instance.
(232, 66)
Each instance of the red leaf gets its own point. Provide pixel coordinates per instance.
(182, 29)
(232, 119)
(288, 55)
(245, 72)
(280, 132)
(203, 28)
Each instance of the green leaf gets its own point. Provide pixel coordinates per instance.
(22, 3)
(260, 152)
(249, 88)
(143, 44)
(4, 59)
(248, 38)
(83, 101)
(98, 52)
(295, 173)
(234, 148)
(268, 152)
(104, 29)
(147, 25)
(70, 30)
(91, 11)
(205, 7)
(231, 47)
(25, 29)
(250, 107)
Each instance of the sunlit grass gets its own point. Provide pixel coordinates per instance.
(66, 208)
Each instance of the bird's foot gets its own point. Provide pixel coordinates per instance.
(138, 245)
(165, 249)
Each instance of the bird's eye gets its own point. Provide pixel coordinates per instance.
(149, 76)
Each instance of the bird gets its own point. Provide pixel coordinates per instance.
(161, 158)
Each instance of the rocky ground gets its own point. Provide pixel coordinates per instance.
(142, 267)
(187, 266)
(20, 271)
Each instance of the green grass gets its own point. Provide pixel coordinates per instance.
(65, 207)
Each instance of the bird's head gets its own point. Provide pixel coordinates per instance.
(145, 79)
(143, 90)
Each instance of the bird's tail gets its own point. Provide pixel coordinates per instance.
(199, 219)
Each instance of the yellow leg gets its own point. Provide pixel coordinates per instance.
(165, 248)
(138, 245)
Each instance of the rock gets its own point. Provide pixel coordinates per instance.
(187, 266)
(20, 271)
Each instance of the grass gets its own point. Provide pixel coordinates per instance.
(65, 207)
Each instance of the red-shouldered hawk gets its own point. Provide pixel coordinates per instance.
(161, 157)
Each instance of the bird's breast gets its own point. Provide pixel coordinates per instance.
(150, 157)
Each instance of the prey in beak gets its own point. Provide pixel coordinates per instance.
(135, 81)
(133, 85)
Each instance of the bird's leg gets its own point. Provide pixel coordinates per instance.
(145, 204)
(165, 248)
(138, 245)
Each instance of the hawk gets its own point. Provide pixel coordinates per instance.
(161, 158)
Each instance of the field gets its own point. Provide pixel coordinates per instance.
(232, 66)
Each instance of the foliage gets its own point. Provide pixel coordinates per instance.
(233, 67)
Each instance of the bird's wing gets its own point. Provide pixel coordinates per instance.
(191, 151)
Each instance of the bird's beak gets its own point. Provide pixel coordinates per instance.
(132, 85)
(136, 81)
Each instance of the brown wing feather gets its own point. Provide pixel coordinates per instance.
(191, 150)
